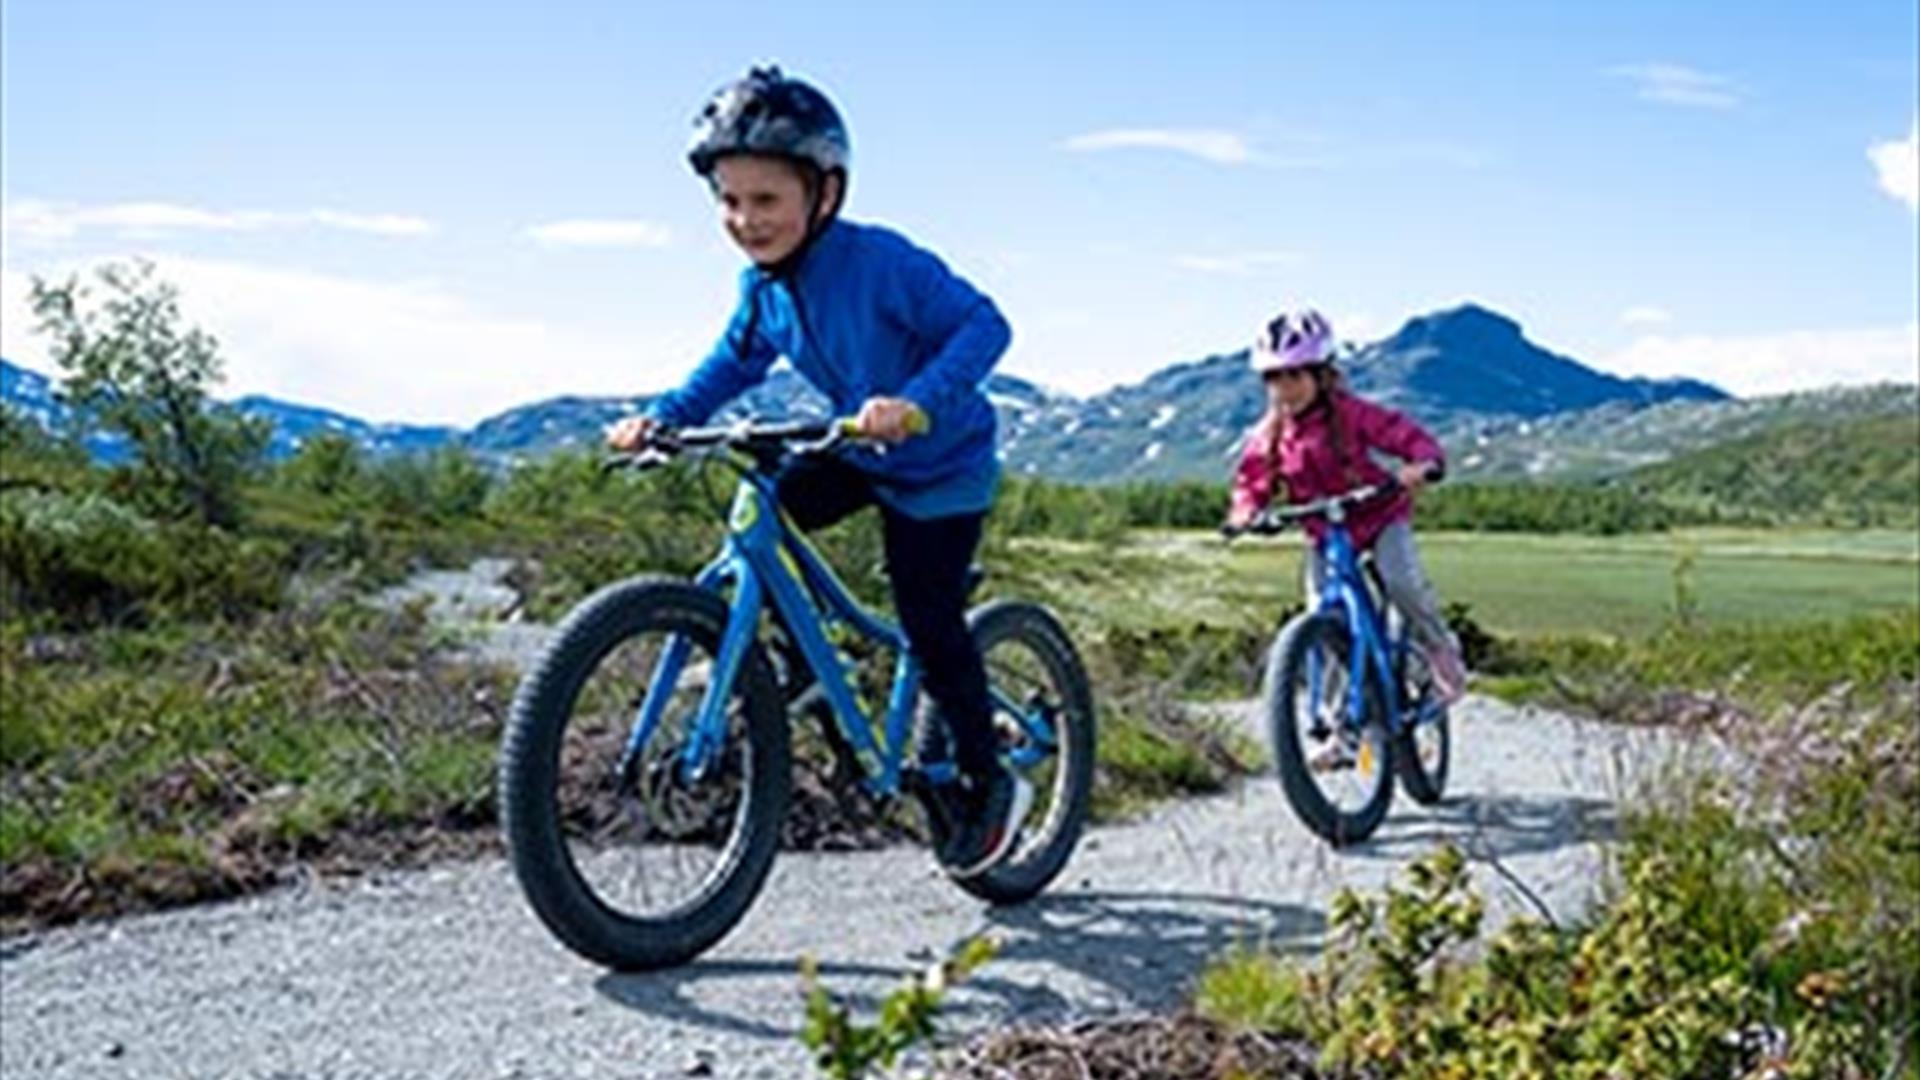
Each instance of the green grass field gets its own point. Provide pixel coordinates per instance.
(1518, 584)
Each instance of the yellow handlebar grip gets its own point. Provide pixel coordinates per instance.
(918, 423)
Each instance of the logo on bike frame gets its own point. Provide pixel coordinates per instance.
(746, 511)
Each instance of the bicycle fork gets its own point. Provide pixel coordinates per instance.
(709, 730)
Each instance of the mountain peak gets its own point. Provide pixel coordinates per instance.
(1472, 359)
(1468, 325)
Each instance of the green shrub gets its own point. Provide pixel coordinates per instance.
(441, 487)
(86, 559)
(1027, 507)
(1680, 976)
(845, 1049)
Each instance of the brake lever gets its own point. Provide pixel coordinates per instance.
(833, 440)
(649, 457)
(1263, 523)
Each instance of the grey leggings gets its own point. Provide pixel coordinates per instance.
(1407, 586)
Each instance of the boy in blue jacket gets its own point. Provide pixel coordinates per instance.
(885, 331)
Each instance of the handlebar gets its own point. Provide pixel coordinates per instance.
(763, 441)
(1275, 519)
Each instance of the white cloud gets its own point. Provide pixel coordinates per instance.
(606, 233)
(36, 219)
(1220, 147)
(1241, 263)
(1646, 315)
(1898, 163)
(379, 349)
(377, 224)
(1675, 84)
(1776, 363)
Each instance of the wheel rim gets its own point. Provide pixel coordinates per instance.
(1028, 676)
(1341, 753)
(1430, 748)
(655, 842)
(1429, 734)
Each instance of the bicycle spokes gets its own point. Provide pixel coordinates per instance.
(1027, 707)
(650, 808)
(1335, 738)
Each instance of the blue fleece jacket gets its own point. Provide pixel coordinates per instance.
(868, 314)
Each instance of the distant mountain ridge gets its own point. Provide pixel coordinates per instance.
(1460, 372)
(293, 424)
(1503, 405)
(32, 395)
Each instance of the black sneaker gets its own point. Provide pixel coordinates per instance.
(988, 825)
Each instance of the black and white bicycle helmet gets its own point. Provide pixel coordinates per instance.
(767, 112)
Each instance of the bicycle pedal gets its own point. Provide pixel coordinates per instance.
(1330, 763)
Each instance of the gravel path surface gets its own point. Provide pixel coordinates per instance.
(477, 604)
(446, 973)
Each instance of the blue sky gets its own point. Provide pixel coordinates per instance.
(431, 212)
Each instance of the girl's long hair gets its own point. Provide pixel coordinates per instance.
(1329, 384)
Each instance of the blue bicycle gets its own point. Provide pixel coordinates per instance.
(645, 770)
(1347, 699)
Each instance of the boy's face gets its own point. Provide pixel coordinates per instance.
(763, 203)
(1291, 390)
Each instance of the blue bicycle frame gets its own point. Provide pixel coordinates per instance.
(1344, 593)
(766, 560)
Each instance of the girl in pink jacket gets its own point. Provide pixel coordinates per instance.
(1317, 439)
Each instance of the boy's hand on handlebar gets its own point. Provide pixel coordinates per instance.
(631, 433)
(890, 420)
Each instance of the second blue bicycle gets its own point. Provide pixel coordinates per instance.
(1347, 697)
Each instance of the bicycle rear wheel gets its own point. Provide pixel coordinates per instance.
(1043, 717)
(1423, 749)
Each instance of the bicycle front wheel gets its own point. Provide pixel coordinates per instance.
(1335, 764)
(640, 860)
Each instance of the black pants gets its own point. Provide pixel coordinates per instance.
(927, 563)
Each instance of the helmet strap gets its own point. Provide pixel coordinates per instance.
(814, 181)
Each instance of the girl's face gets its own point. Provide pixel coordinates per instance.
(763, 204)
(1291, 391)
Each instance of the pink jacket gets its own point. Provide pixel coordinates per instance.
(1299, 455)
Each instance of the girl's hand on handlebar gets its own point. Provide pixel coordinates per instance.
(1414, 474)
(628, 435)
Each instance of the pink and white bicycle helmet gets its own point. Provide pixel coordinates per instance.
(1295, 339)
